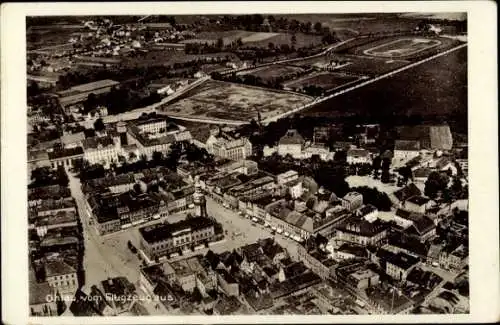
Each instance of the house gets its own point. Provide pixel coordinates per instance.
(229, 306)
(101, 150)
(352, 201)
(228, 146)
(446, 165)
(291, 143)
(422, 229)
(61, 276)
(454, 259)
(72, 140)
(418, 204)
(349, 251)
(358, 156)
(363, 278)
(227, 283)
(42, 299)
(360, 231)
(400, 265)
(431, 137)
(116, 291)
(405, 150)
(400, 196)
(421, 174)
(286, 177)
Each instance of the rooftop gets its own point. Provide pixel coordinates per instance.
(39, 293)
(362, 227)
(58, 267)
(406, 192)
(67, 152)
(292, 136)
(96, 142)
(406, 145)
(418, 200)
(403, 260)
(88, 87)
(358, 153)
(162, 231)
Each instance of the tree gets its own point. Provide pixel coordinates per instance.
(99, 125)
(137, 188)
(318, 27)
(157, 156)
(386, 176)
(405, 173)
(220, 43)
(386, 164)
(376, 163)
(293, 40)
(196, 295)
(436, 183)
(132, 155)
(62, 177)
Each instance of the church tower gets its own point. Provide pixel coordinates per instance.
(200, 203)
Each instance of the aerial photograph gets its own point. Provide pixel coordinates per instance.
(251, 164)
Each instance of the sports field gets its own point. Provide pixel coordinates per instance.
(402, 47)
(221, 100)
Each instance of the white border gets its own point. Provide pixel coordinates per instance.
(483, 137)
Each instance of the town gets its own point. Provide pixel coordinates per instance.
(211, 165)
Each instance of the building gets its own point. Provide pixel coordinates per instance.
(227, 283)
(101, 150)
(291, 143)
(405, 150)
(66, 157)
(454, 259)
(61, 276)
(117, 290)
(78, 94)
(37, 159)
(199, 201)
(56, 220)
(362, 232)
(400, 196)
(400, 265)
(156, 134)
(286, 177)
(164, 238)
(352, 201)
(358, 156)
(115, 184)
(72, 140)
(363, 278)
(418, 204)
(229, 146)
(42, 299)
(431, 137)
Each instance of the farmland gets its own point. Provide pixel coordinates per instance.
(257, 39)
(326, 80)
(46, 37)
(274, 71)
(433, 88)
(221, 100)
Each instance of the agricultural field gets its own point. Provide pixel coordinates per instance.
(37, 38)
(437, 87)
(370, 66)
(257, 39)
(270, 72)
(172, 57)
(326, 80)
(221, 100)
(230, 36)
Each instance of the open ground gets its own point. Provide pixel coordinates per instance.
(259, 39)
(274, 71)
(229, 101)
(326, 80)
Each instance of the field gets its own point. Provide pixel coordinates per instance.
(221, 100)
(270, 72)
(326, 80)
(257, 39)
(402, 47)
(45, 37)
(435, 87)
(230, 36)
(172, 57)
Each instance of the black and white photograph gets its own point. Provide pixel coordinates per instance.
(248, 163)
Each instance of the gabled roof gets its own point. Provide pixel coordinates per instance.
(93, 143)
(358, 153)
(423, 225)
(292, 136)
(407, 192)
(58, 267)
(403, 260)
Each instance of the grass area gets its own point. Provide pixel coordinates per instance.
(302, 40)
(325, 80)
(274, 71)
(231, 36)
(234, 102)
(437, 87)
(370, 66)
(41, 38)
(172, 57)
